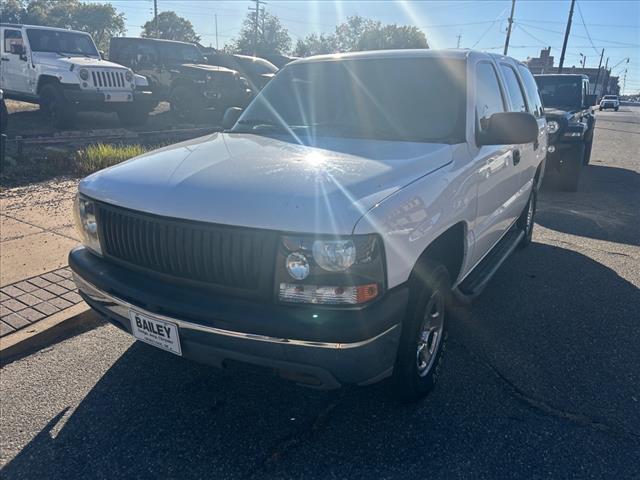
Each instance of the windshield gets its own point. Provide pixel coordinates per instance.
(610, 97)
(403, 99)
(181, 53)
(560, 91)
(66, 43)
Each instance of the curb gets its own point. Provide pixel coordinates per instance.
(48, 331)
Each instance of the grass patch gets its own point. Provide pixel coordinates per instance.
(103, 155)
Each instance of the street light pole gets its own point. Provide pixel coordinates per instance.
(506, 41)
(595, 85)
(155, 17)
(566, 36)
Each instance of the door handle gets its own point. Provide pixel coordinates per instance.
(5, 59)
(516, 157)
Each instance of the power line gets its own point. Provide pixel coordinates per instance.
(636, 45)
(585, 29)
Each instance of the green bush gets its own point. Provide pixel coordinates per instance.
(102, 155)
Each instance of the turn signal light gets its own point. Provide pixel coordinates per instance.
(327, 295)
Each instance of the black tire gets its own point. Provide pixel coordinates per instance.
(56, 107)
(132, 115)
(4, 116)
(616, 109)
(527, 218)
(572, 168)
(414, 376)
(185, 104)
(587, 152)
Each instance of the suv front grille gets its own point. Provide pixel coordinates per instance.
(113, 79)
(235, 260)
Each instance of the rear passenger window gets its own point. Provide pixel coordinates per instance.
(12, 37)
(488, 95)
(516, 94)
(531, 88)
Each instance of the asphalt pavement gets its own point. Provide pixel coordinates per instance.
(541, 377)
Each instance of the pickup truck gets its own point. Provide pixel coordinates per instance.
(324, 234)
(571, 121)
(609, 101)
(63, 71)
(178, 72)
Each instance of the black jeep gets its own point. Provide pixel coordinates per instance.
(570, 122)
(178, 72)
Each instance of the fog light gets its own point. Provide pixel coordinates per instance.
(551, 149)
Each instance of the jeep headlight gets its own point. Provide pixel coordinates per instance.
(330, 271)
(552, 126)
(84, 74)
(86, 223)
(128, 76)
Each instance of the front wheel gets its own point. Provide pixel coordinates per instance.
(55, 106)
(424, 333)
(526, 221)
(185, 104)
(572, 168)
(616, 109)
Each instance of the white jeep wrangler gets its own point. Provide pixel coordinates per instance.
(63, 71)
(323, 235)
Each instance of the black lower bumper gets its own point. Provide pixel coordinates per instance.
(105, 100)
(312, 345)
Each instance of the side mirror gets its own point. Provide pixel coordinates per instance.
(506, 128)
(102, 55)
(231, 117)
(590, 100)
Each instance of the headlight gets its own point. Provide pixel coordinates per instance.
(128, 75)
(330, 271)
(84, 74)
(552, 126)
(85, 216)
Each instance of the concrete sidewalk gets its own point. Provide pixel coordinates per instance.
(36, 234)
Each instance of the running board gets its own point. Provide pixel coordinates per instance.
(479, 277)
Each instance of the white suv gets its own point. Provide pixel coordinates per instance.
(63, 71)
(609, 101)
(324, 233)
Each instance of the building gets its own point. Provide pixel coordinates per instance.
(606, 84)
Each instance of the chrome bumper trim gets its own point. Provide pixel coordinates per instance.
(114, 304)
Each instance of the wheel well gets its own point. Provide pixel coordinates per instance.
(448, 249)
(46, 80)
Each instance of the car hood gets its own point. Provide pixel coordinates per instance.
(266, 182)
(55, 60)
(200, 67)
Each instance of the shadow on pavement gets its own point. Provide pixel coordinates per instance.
(538, 377)
(605, 207)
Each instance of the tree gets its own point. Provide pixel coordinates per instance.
(272, 37)
(170, 27)
(101, 21)
(358, 33)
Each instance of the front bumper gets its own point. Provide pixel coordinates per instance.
(315, 346)
(107, 100)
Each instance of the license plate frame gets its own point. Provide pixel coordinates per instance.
(155, 331)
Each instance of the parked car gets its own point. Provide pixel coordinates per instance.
(323, 235)
(609, 101)
(4, 115)
(256, 70)
(571, 120)
(63, 71)
(279, 60)
(179, 73)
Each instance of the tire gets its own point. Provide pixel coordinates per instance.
(133, 115)
(56, 107)
(424, 332)
(600, 109)
(572, 168)
(587, 152)
(616, 109)
(185, 105)
(4, 117)
(527, 218)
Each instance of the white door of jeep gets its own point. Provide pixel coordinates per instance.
(14, 67)
(496, 167)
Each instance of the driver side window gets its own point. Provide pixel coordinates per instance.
(489, 98)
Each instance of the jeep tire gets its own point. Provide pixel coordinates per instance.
(132, 115)
(185, 104)
(54, 105)
(424, 332)
(572, 167)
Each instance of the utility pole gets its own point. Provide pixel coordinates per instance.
(216, 15)
(459, 37)
(624, 82)
(256, 20)
(584, 61)
(605, 77)
(595, 85)
(566, 36)
(506, 42)
(155, 17)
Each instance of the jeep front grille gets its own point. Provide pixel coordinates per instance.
(111, 79)
(234, 260)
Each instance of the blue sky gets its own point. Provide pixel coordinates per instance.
(612, 25)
